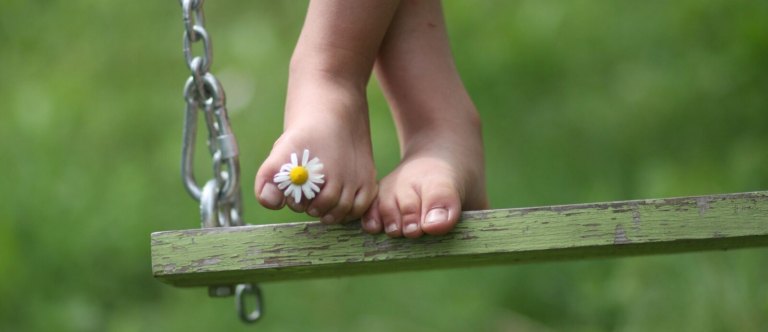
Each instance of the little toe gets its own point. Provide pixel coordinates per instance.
(441, 208)
(371, 221)
(363, 199)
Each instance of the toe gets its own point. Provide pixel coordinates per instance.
(372, 219)
(271, 197)
(441, 208)
(390, 217)
(266, 191)
(363, 199)
(339, 212)
(327, 199)
(409, 204)
(301, 206)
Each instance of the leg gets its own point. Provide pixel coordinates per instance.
(326, 109)
(442, 167)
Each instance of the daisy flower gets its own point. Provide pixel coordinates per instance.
(297, 178)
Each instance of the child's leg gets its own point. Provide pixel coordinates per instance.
(442, 169)
(326, 109)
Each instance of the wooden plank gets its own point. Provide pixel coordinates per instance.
(310, 250)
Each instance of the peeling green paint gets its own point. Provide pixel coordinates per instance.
(311, 250)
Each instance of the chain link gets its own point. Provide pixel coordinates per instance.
(220, 198)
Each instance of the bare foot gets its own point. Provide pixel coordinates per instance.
(440, 175)
(326, 110)
(332, 123)
(442, 167)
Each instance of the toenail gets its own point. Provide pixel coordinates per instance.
(411, 228)
(328, 219)
(436, 215)
(270, 195)
(370, 223)
(313, 212)
(391, 228)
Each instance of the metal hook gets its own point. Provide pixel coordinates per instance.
(241, 291)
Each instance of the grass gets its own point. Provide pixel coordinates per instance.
(586, 101)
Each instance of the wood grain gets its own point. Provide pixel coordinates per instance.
(218, 256)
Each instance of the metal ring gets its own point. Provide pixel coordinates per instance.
(237, 211)
(218, 174)
(229, 178)
(225, 217)
(186, 8)
(232, 176)
(215, 91)
(199, 13)
(209, 204)
(198, 32)
(240, 297)
(196, 66)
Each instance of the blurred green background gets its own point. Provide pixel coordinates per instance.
(583, 101)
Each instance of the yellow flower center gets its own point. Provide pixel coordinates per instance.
(299, 175)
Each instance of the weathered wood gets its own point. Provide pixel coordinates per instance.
(310, 249)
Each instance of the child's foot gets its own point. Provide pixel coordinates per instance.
(330, 121)
(442, 170)
(441, 173)
(326, 110)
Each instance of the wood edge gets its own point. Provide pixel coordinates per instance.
(448, 262)
(479, 214)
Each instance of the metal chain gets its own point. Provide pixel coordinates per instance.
(220, 197)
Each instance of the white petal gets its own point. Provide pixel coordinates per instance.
(315, 168)
(297, 194)
(290, 190)
(316, 176)
(280, 178)
(317, 180)
(305, 157)
(313, 186)
(283, 184)
(294, 159)
(307, 191)
(286, 168)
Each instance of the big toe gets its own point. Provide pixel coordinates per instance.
(271, 197)
(265, 189)
(441, 208)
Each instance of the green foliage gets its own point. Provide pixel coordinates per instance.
(581, 101)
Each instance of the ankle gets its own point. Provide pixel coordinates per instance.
(314, 100)
(450, 125)
(320, 69)
(308, 80)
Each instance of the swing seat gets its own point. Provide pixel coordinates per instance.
(288, 251)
